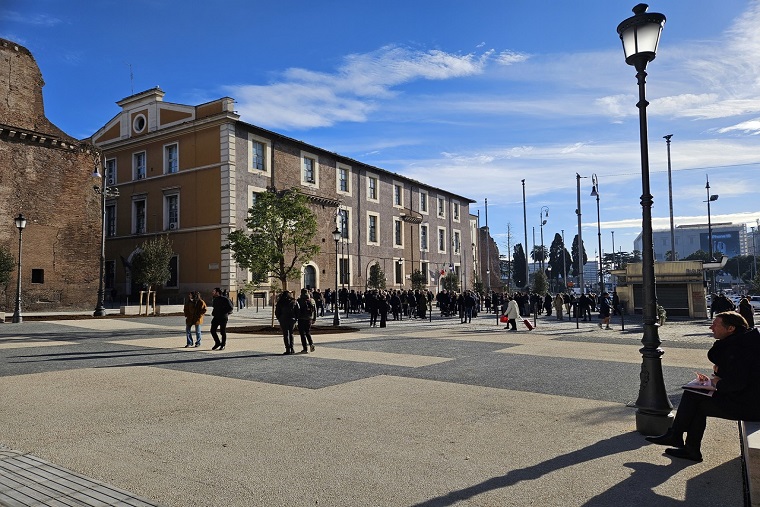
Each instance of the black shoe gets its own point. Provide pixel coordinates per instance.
(215, 347)
(311, 347)
(286, 353)
(221, 347)
(669, 438)
(304, 351)
(685, 453)
(188, 345)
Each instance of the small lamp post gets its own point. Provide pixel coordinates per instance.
(20, 222)
(336, 315)
(595, 193)
(710, 198)
(104, 191)
(543, 216)
(640, 35)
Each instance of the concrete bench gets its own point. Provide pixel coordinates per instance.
(750, 436)
(160, 309)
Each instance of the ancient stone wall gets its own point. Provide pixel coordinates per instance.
(47, 176)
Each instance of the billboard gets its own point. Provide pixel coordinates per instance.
(724, 243)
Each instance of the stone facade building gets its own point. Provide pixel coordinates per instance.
(193, 171)
(47, 176)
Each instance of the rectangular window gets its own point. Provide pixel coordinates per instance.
(110, 172)
(110, 220)
(397, 195)
(171, 209)
(171, 158)
(344, 273)
(398, 238)
(138, 216)
(258, 156)
(343, 179)
(373, 228)
(309, 170)
(372, 188)
(399, 265)
(343, 223)
(173, 271)
(138, 165)
(423, 202)
(423, 237)
(442, 240)
(456, 242)
(441, 207)
(38, 276)
(455, 211)
(424, 269)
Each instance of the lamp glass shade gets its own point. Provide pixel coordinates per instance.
(714, 197)
(640, 34)
(20, 222)
(336, 235)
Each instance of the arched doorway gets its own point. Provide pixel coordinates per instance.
(309, 277)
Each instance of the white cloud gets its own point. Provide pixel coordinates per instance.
(751, 127)
(29, 19)
(510, 57)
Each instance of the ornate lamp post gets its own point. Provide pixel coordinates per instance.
(336, 234)
(20, 222)
(595, 193)
(640, 35)
(105, 192)
(673, 255)
(525, 248)
(579, 260)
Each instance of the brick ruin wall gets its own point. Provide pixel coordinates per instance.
(47, 176)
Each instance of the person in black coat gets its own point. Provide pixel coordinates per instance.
(736, 377)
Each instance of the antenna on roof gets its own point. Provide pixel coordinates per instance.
(131, 80)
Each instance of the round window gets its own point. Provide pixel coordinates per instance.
(139, 123)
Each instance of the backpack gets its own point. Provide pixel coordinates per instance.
(305, 309)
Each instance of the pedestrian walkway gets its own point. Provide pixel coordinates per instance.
(420, 413)
(27, 480)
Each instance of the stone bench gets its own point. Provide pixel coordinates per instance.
(750, 437)
(160, 309)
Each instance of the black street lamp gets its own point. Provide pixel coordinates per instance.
(20, 222)
(580, 250)
(525, 226)
(640, 35)
(673, 255)
(543, 215)
(710, 198)
(595, 193)
(104, 191)
(336, 315)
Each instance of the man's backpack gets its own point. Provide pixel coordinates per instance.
(305, 309)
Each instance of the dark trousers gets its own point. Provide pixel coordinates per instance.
(692, 415)
(219, 322)
(304, 329)
(287, 335)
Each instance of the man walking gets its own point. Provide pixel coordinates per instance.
(219, 315)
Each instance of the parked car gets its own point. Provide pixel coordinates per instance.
(755, 302)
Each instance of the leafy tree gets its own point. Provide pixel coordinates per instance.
(578, 255)
(450, 282)
(519, 265)
(540, 285)
(418, 279)
(376, 278)
(151, 265)
(755, 287)
(559, 258)
(699, 255)
(281, 239)
(539, 253)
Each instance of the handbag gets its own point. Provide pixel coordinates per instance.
(503, 318)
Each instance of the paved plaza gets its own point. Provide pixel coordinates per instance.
(416, 414)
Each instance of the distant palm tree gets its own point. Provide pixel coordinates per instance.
(539, 253)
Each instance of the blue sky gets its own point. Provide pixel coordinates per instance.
(469, 97)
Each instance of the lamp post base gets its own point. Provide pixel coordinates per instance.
(653, 424)
(99, 312)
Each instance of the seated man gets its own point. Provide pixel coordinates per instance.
(736, 377)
